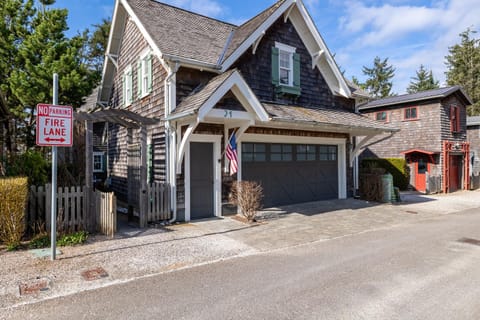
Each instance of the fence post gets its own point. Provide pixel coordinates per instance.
(48, 204)
(89, 198)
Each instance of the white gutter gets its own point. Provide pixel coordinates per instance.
(170, 137)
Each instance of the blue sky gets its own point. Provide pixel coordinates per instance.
(407, 32)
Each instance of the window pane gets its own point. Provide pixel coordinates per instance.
(413, 113)
(323, 149)
(259, 156)
(284, 59)
(287, 148)
(247, 157)
(276, 156)
(284, 76)
(247, 147)
(259, 147)
(276, 148)
(287, 157)
(301, 148)
(301, 157)
(311, 156)
(323, 156)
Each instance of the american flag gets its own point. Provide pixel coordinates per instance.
(231, 153)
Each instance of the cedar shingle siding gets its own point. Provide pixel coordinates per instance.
(152, 105)
(256, 69)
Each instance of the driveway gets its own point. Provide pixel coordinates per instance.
(322, 220)
(154, 251)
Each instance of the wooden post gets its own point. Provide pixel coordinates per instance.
(143, 201)
(89, 204)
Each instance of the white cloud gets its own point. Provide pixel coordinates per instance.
(409, 35)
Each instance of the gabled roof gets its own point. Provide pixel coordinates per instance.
(246, 29)
(203, 100)
(181, 33)
(418, 97)
(334, 118)
(198, 41)
(473, 121)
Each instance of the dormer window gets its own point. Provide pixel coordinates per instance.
(285, 69)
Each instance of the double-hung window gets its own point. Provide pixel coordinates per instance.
(144, 75)
(411, 113)
(285, 69)
(381, 116)
(127, 87)
(98, 162)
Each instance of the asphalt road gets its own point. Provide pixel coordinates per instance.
(416, 271)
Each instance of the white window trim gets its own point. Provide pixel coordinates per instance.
(143, 82)
(290, 50)
(128, 86)
(102, 155)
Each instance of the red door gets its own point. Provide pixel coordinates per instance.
(454, 170)
(420, 176)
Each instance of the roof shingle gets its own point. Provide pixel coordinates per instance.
(181, 33)
(413, 97)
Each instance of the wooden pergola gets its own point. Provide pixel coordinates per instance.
(131, 121)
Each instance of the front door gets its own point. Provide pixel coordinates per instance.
(455, 173)
(201, 180)
(421, 167)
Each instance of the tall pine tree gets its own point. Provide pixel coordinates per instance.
(423, 81)
(37, 48)
(379, 83)
(463, 67)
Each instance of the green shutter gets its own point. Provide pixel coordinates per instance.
(275, 66)
(296, 70)
(139, 79)
(149, 72)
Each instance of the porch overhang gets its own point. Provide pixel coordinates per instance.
(426, 152)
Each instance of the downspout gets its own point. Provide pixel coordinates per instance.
(170, 138)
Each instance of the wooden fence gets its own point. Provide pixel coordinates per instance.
(158, 202)
(106, 205)
(71, 209)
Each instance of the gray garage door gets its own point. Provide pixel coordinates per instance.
(292, 173)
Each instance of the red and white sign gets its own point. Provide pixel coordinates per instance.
(54, 125)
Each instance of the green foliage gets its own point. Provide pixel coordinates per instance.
(13, 195)
(43, 240)
(423, 81)
(72, 239)
(397, 167)
(31, 164)
(463, 67)
(379, 82)
(33, 46)
(39, 241)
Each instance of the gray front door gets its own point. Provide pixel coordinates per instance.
(201, 180)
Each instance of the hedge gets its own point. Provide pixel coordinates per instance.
(14, 196)
(397, 167)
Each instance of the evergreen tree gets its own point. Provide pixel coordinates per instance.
(463, 67)
(379, 83)
(35, 50)
(423, 81)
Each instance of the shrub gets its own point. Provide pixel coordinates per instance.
(247, 195)
(13, 195)
(397, 167)
(72, 239)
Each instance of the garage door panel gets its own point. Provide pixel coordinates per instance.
(286, 182)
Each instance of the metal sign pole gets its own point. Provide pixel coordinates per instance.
(53, 231)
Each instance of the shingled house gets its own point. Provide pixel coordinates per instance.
(473, 137)
(432, 137)
(271, 82)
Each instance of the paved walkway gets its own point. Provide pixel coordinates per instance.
(153, 251)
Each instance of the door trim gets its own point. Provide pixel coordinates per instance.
(217, 166)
